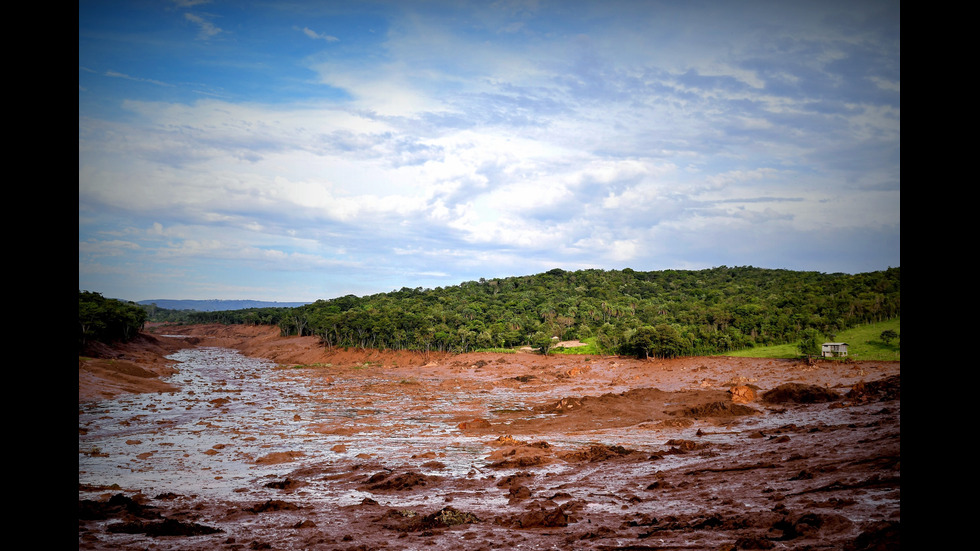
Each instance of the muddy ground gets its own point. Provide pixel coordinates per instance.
(502, 451)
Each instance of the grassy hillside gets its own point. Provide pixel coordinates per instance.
(864, 343)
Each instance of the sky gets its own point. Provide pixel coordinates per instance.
(304, 150)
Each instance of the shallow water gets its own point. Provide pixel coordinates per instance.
(231, 410)
(200, 439)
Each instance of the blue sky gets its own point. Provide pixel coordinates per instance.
(301, 150)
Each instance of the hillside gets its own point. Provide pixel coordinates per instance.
(663, 313)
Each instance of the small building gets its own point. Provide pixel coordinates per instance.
(833, 349)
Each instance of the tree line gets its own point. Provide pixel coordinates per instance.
(657, 313)
(107, 320)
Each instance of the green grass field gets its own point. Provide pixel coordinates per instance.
(864, 343)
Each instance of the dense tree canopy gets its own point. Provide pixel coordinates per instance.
(660, 313)
(107, 320)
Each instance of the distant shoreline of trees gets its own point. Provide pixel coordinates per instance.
(665, 313)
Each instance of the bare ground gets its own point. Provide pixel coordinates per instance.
(597, 453)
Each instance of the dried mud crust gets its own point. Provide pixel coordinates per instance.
(822, 472)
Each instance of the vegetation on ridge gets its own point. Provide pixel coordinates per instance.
(659, 313)
(106, 319)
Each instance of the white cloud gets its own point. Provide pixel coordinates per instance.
(512, 137)
(206, 28)
(113, 247)
(318, 36)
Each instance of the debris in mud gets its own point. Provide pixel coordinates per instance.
(681, 423)
(573, 372)
(518, 493)
(643, 405)
(526, 455)
(117, 505)
(508, 440)
(751, 543)
(716, 409)
(474, 424)
(742, 394)
(889, 388)
(382, 481)
(167, 527)
(809, 524)
(514, 479)
(561, 406)
(880, 535)
(411, 521)
(284, 484)
(598, 452)
(539, 516)
(272, 505)
(304, 524)
(800, 394)
(684, 446)
(279, 457)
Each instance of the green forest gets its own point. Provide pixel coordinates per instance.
(107, 320)
(664, 313)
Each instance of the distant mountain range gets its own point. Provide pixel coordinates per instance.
(214, 305)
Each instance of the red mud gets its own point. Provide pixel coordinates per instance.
(592, 453)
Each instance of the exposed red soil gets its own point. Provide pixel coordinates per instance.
(824, 473)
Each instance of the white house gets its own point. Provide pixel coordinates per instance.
(833, 349)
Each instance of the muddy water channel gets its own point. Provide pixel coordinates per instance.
(202, 439)
(237, 422)
(508, 452)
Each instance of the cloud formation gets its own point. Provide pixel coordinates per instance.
(405, 144)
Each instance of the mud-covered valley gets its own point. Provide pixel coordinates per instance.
(228, 437)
